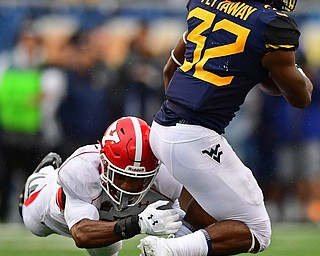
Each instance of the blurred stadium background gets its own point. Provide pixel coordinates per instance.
(104, 59)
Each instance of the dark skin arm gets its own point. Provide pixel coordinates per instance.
(294, 87)
(94, 233)
(228, 237)
(98, 233)
(171, 66)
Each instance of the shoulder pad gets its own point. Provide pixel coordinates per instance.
(281, 33)
(79, 175)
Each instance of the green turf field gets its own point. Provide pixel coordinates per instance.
(287, 240)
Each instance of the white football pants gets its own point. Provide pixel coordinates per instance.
(204, 162)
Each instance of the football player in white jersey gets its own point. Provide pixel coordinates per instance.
(103, 193)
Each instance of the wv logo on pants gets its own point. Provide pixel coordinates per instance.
(214, 153)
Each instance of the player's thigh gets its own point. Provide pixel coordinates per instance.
(217, 179)
(34, 211)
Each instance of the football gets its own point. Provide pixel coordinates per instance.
(268, 86)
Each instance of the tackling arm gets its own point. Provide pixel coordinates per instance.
(94, 233)
(97, 233)
(294, 85)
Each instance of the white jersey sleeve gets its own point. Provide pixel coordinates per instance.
(79, 178)
(76, 210)
(79, 174)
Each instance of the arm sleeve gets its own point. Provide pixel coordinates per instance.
(79, 178)
(76, 210)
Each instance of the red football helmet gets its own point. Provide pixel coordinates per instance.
(125, 153)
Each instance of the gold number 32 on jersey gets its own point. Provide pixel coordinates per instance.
(195, 37)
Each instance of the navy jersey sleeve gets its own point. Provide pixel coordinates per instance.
(282, 33)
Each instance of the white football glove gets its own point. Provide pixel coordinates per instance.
(159, 222)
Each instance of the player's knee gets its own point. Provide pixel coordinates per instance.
(35, 226)
(264, 243)
(263, 235)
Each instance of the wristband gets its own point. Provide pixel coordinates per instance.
(127, 227)
(189, 226)
(184, 36)
(208, 239)
(174, 59)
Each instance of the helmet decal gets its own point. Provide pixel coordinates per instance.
(111, 134)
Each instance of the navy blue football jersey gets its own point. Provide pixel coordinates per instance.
(225, 45)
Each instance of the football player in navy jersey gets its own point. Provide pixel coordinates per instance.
(229, 47)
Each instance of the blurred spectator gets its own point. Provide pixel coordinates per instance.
(32, 87)
(142, 78)
(89, 104)
(55, 33)
(266, 138)
(289, 169)
(20, 113)
(114, 43)
(241, 131)
(308, 184)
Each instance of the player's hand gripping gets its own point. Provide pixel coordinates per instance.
(154, 221)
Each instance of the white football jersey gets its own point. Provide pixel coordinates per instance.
(78, 179)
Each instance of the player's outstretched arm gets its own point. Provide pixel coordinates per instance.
(294, 85)
(94, 233)
(97, 233)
